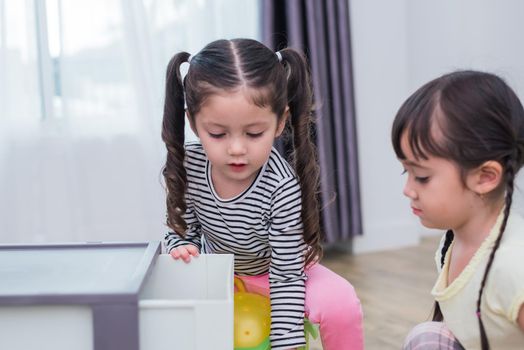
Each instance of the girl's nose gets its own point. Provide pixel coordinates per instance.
(236, 147)
(409, 191)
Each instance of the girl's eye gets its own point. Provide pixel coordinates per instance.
(419, 179)
(422, 179)
(254, 134)
(216, 136)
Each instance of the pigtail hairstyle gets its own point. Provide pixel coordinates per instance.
(304, 152)
(173, 125)
(480, 119)
(248, 65)
(211, 69)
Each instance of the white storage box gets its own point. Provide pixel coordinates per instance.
(112, 297)
(188, 306)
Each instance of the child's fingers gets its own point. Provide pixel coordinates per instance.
(184, 252)
(193, 251)
(175, 254)
(187, 251)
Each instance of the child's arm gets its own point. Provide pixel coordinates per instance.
(190, 244)
(286, 272)
(505, 290)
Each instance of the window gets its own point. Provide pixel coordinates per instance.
(100, 63)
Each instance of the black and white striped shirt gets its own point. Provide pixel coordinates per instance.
(262, 227)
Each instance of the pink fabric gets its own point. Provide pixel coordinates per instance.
(331, 302)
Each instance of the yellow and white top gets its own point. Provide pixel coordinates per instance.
(503, 294)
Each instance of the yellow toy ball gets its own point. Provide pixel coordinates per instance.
(252, 319)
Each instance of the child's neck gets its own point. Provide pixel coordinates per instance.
(227, 189)
(468, 238)
(475, 230)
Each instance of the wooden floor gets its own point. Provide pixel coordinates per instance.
(394, 288)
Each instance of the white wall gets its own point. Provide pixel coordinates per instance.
(398, 46)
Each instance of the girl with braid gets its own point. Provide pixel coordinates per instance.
(460, 139)
(232, 192)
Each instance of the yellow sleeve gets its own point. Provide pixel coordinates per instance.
(505, 284)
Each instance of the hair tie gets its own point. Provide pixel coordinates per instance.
(279, 56)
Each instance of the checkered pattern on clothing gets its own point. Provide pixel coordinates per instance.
(431, 336)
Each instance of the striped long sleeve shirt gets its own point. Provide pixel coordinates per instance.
(262, 227)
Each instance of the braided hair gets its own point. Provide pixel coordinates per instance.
(481, 119)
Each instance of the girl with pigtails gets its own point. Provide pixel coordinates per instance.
(460, 139)
(232, 192)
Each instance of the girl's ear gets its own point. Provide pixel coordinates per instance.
(191, 123)
(486, 177)
(282, 122)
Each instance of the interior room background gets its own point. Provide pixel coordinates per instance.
(81, 94)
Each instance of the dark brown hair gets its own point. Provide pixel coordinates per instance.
(478, 118)
(227, 65)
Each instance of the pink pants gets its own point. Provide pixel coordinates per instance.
(331, 302)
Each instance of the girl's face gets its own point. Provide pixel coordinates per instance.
(237, 136)
(437, 193)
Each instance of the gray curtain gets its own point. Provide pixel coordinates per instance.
(321, 29)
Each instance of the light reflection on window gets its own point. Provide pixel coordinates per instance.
(104, 60)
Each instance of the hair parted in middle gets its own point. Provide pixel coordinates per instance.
(228, 66)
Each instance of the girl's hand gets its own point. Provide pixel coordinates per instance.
(185, 252)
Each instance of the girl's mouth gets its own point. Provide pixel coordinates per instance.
(237, 167)
(416, 211)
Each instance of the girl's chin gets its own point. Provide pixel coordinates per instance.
(431, 225)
